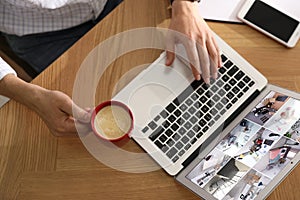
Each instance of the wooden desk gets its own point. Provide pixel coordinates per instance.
(36, 165)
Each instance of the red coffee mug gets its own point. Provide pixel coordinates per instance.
(103, 105)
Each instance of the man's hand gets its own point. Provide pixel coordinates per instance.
(201, 47)
(60, 113)
(56, 109)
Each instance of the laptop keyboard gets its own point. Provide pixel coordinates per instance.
(181, 123)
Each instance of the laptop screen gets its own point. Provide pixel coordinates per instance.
(254, 152)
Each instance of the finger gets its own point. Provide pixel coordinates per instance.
(214, 58)
(204, 62)
(71, 109)
(192, 53)
(218, 51)
(170, 49)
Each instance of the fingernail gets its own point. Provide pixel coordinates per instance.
(215, 75)
(198, 77)
(207, 80)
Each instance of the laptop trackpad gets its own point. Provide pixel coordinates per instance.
(160, 85)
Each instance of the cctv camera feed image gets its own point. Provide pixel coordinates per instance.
(254, 152)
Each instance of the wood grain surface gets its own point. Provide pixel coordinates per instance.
(34, 165)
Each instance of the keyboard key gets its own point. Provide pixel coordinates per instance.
(183, 107)
(199, 135)
(166, 124)
(221, 92)
(224, 101)
(219, 106)
(216, 98)
(223, 111)
(210, 103)
(225, 78)
(211, 123)
(203, 99)
(223, 57)
(175, 159)
(190, 133)
(170, 108)
(163, 138)
(145, 129)
(233, 70)
(192, 110)
(200, 91)
(236, 90)
(187, 147)
(207, 117)
(156, 133)
(220, 83)
(176, 102)
(193, 120)
(205, 129)
(169, 132)
(199, 114)
(174, 127)
(196, 128)
(202, 123)
(239, 75)
(232, 82)
(164, 114)
(197, 105)
(152, 125)
(193, 140)
(172, 152)
(170, 142)
(234, 100)
(187, 125)
(240, 94)
(177, 113)
(214, 88)
(228, 64)
(246, 79)
(179, 145)
(182, 131)
(171, 118)
(195, 84)
(181, 152)
(186, 115)
(217, 117)
(180, 121)
(229, 95)
(241, 84)
(228, 106)
(165, 148)
(222, 70)
(204, 108)
(158, 144)
(176, 137)
(246, 89)
(213, 111)
(208, 94)
(189, 102)
(194, 96)
(227, 87)
(185, 139)
(251, 83)
(157, 118)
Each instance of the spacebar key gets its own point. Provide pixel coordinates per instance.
(156, 133)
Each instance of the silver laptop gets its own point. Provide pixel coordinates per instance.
(226, 140)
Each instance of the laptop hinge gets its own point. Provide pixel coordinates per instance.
(221, 128)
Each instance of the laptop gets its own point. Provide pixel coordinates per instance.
(236, 138)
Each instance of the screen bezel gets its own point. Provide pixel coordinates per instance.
(206, 149)
(292, 41)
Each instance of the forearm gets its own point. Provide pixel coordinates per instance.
(14, 88)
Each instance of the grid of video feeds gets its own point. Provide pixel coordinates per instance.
(254, 152)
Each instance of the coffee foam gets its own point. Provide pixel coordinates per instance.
(113, 122)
